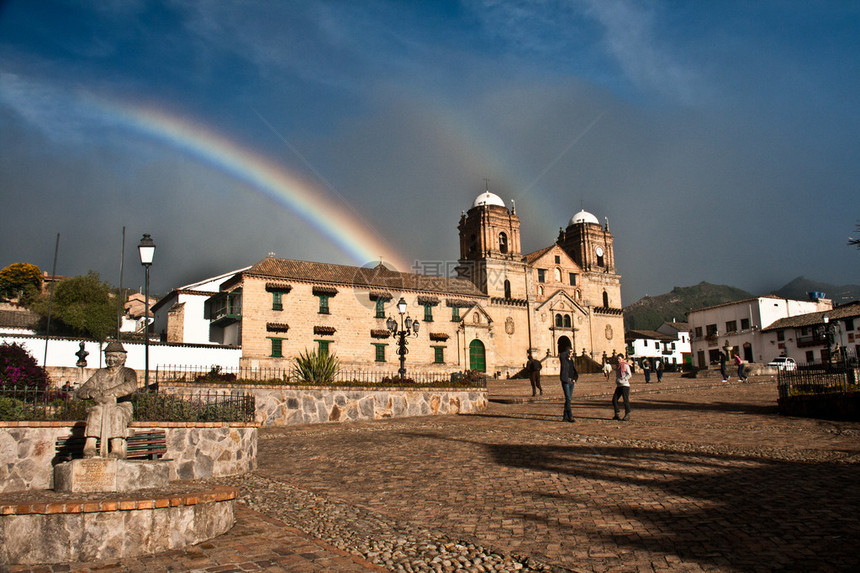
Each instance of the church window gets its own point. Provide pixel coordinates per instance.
(507, 288)
(473, 243)
(557, 260)
(540, 291)
(541, 275)
(600, 260)
(557, 275)
(605, 300)
(503, 243)
(558, 320)
(567, 321)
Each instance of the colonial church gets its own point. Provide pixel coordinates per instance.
(501, 304)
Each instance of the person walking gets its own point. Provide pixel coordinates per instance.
(740, 364)
(569, 376)
(607, 369)
(646, 369)
(723, 372)
(622, 389)
(533, 367)
(659, 369)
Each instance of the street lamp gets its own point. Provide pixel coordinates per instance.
(408, 327)
(146, 249)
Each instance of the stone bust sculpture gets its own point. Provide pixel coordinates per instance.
(108, 420)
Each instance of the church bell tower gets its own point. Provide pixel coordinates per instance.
(490, 251)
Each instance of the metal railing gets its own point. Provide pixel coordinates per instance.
(817, 379)
(166, 405)
(166, 375)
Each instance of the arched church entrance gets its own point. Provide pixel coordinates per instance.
(564, 344)
(477, 356)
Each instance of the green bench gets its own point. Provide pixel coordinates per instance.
(149, 445)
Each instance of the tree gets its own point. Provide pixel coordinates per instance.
(15, 278)
(83, 307)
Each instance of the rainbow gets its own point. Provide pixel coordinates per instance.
(354, 237)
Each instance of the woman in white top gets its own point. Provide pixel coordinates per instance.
(622, 389)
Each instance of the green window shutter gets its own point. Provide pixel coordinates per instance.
(323, 347)
(428, 313)
(455, 313)
(323, 303)
(277, 344)
(277, 300)
(439, 355)
(380, 352)
(380, 308)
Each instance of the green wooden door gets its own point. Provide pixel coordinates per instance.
(477, 358)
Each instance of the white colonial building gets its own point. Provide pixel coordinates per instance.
(736, 327)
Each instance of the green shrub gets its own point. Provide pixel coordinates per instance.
(12, 409)
(314, 368)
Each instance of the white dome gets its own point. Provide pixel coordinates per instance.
(584, 217)
(487, 198)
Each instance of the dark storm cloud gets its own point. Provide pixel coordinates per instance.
(719, 139)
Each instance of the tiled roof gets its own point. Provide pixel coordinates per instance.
(650, 334)
(851, 310)
(532, 257)
(377, 278)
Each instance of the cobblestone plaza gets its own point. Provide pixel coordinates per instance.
(706, 476)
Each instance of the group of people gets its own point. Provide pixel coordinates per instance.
(569, 375)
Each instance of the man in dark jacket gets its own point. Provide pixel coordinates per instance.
(533, 367)
(569, 376)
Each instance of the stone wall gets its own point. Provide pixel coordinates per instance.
(288, 405)
(194, 451)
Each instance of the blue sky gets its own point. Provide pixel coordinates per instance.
(720, 139)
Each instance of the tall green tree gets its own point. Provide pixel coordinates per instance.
(82, 306)
(17, 277)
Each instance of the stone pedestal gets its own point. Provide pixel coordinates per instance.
(107, 475)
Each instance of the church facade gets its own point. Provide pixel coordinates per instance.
(502, 304)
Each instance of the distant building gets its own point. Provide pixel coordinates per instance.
(678, 351)
(817, 336)
(736, 327)
(180, 317)
(650, 344)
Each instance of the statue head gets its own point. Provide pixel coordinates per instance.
(114, 354)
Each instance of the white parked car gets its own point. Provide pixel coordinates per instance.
(783, 363)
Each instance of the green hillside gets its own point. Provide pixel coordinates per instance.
(650, 312)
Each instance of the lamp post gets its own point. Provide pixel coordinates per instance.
(146, 249)
(407, 327)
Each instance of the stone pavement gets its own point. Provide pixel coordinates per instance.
(706, 476)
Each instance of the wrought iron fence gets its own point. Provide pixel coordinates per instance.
(154, 405)
(817, 379)
(165, 375)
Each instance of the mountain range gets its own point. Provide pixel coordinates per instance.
(649, 312)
